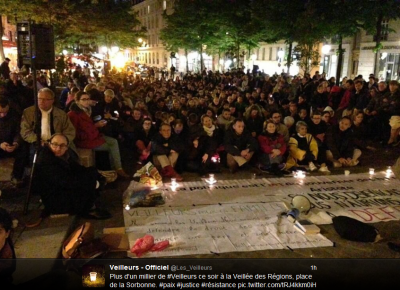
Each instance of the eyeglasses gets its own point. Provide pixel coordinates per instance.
(61, 146)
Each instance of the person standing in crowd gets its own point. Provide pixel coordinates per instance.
(5, 69)
(64, 94)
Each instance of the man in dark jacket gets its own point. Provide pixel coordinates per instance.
(239, 145)
(11, 143)
(166, 149)
(339, 139)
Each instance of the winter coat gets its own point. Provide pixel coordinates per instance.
(63, 184)
(298, 154)
(267, 144)
(234, 143)
(59, 123)
(87, 134)
(340, 143)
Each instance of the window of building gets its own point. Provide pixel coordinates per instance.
(148, 9)
(154, 61)
(270, 54)
(158, 60)
(10, 36)
(164, 5)
(384, 31)
(263, 53)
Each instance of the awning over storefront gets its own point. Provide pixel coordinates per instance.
(9, 44)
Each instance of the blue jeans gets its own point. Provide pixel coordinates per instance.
(112, 147)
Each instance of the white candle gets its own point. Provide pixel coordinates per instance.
(371, 171)
(173, 181)
(93, 276)
(127, 207)
(389, 170)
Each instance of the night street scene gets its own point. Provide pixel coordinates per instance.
(199, 143)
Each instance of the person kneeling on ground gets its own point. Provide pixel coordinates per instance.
(64, 185)
(272, 148)
(303, 149)
(166, 149)
(239, 145)
(342, 151)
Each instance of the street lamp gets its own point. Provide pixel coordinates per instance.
(65, 52)
(326, 48)
(140, 40)
(115, 49)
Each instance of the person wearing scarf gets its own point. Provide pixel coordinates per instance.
(272, 148)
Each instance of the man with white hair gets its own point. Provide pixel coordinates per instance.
(52, 120)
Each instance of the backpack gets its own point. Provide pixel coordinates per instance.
(354, 230)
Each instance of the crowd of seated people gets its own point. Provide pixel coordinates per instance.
(196, 121)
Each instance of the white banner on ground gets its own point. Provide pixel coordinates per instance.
(360, 196)
(218, 228)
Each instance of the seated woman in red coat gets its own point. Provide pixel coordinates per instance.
(88, 135)
(272, 147)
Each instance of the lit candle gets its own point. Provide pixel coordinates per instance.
(127, 207)
(389, 170)
(211, 179)
(173, 182)
(371, 171)
(93, 276)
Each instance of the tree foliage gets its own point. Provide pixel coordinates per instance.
(219, 26)
(80, 21)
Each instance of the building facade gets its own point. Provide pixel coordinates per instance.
(152, 52)
(9, 40)
(358, 58)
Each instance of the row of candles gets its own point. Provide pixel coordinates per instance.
(296, 174)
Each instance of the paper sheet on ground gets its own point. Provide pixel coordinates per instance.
(218, 228)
